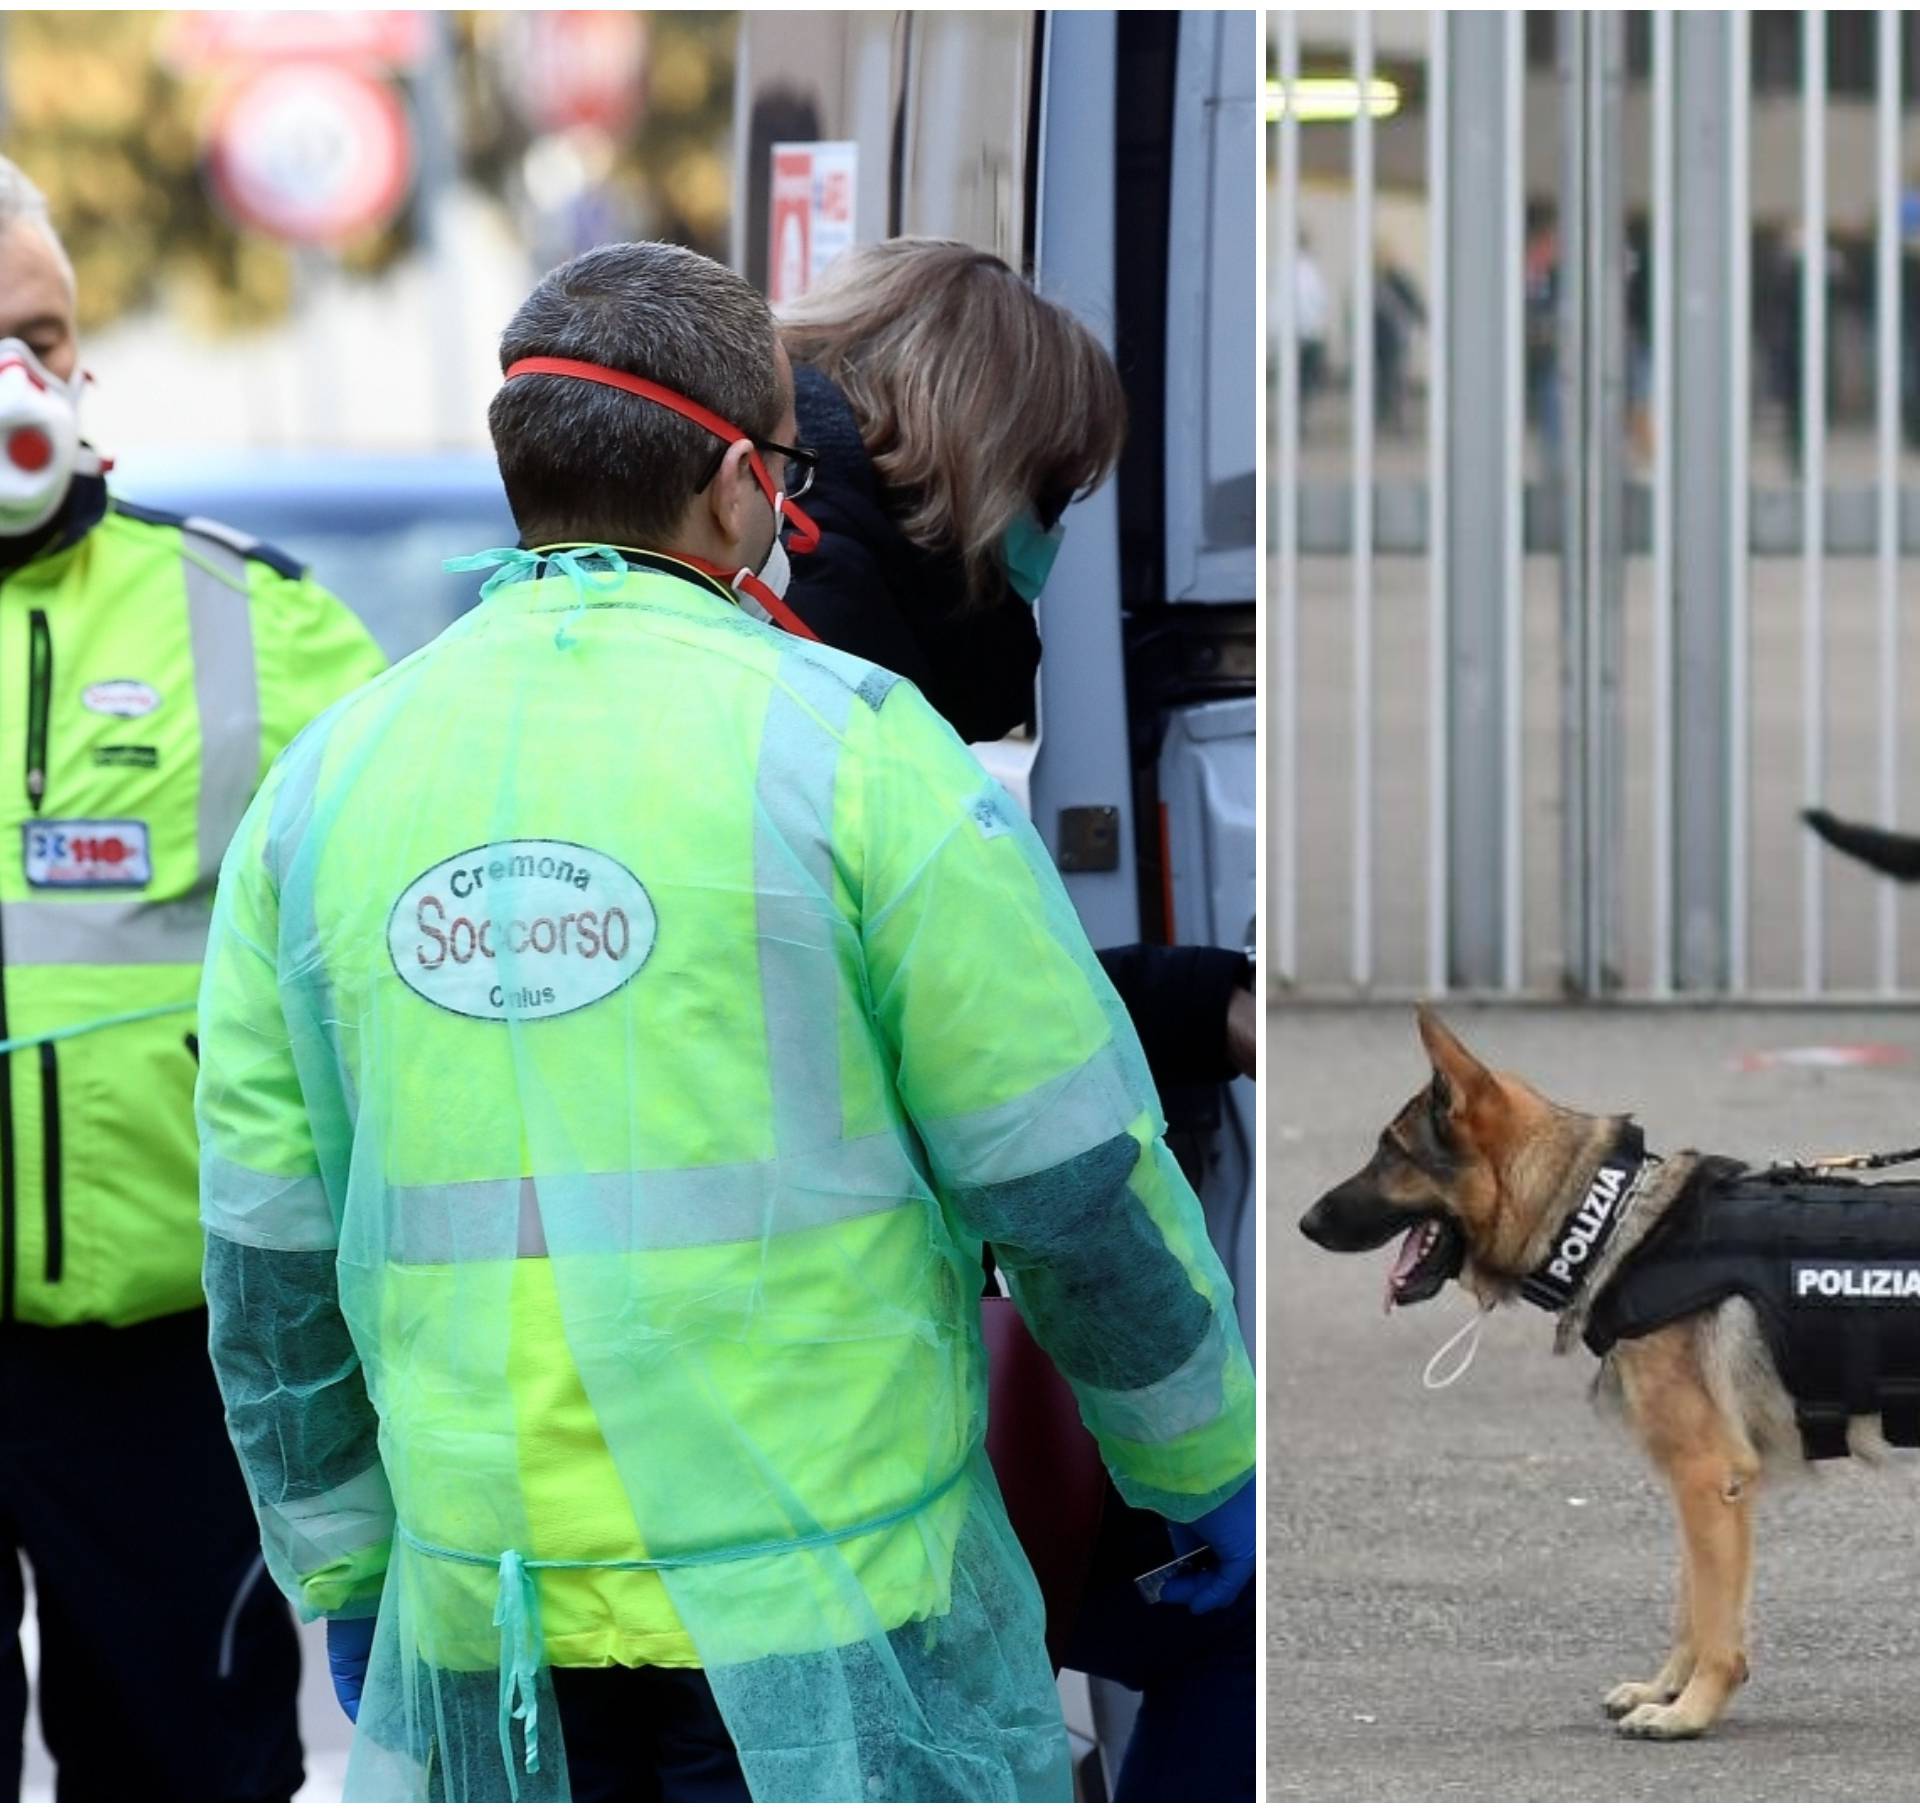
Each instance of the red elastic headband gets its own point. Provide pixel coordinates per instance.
(807, 533)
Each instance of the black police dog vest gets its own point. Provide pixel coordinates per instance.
(1831, 1267)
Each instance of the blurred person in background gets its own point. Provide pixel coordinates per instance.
(1778, 298)
(1312, 322)
(1398, 314)
(617, 1300)
(151, 668)
(1540, 272)
(1640, 338)
(955, 414)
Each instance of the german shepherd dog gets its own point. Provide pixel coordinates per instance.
(1480, 1173)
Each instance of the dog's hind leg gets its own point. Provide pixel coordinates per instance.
(1678, 1667)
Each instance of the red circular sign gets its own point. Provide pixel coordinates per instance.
(573, 68)
(311, 152)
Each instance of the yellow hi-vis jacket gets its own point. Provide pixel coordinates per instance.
(151, 668)
(622, 1026)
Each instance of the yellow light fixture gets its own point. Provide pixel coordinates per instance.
(1320, 100)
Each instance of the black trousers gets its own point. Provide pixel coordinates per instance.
(169, 1664)
(645, 1734)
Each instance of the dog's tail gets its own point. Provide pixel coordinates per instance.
(1887, 851)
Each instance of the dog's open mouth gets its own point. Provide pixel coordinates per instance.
(1433, 1251)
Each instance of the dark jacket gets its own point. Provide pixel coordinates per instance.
(80, 512)
(871, 591)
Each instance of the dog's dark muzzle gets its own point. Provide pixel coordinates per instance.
(1353, 1219)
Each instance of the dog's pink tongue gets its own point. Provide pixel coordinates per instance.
(1403, 1266)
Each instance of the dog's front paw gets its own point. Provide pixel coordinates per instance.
(1660, 1722)
(1630, 1695)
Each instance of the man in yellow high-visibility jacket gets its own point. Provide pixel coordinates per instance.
(150, 670)
(623, 1025)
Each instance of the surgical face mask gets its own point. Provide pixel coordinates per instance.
(1029, 552)
(39, 439)
(762, 589)
(775, 570)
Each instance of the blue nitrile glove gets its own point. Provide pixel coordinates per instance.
(349, 1644)
(1231, 1531)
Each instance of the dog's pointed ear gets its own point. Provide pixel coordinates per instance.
(1463, 1074)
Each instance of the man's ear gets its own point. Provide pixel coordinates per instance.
(740, 492)
(1464, 1075)
(734, 500)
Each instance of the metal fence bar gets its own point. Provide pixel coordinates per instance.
(1615, 375)
(1660, 249)
(1439, 287)
(1362, 394)
(1593, 247)
(1739, 288)
(1569, 478)
(1513, 477)
(1284, 721)
(1887, 382)
(1708, 473)
(1813, 474)
(1481, 444)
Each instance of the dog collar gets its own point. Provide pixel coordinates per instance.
(1586, 1233)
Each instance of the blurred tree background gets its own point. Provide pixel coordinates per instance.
(91, 110)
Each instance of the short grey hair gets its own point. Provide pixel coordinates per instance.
(585, 462)
(21, 200)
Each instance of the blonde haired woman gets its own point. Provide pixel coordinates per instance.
(955, 414)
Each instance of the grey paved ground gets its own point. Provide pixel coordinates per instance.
(1457, 1577)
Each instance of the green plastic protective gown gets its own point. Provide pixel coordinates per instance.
(623, 1025)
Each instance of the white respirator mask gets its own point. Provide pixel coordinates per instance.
(40, 450)
(775, 570)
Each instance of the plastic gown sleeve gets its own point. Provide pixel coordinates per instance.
(1025, 1081)
(296, 1402)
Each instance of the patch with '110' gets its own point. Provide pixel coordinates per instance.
(525, 929)
(86, 853)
